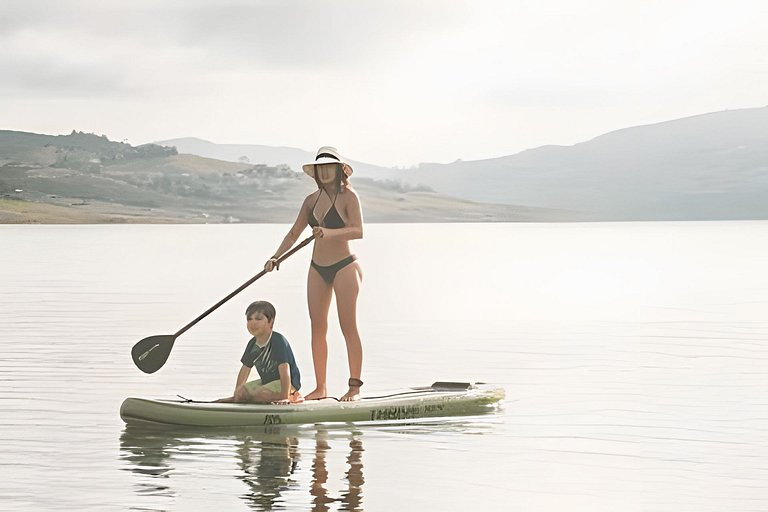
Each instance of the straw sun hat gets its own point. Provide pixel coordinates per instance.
(326, 155)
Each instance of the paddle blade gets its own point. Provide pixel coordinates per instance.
(150, 354)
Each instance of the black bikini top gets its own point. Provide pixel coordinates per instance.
(332, 218)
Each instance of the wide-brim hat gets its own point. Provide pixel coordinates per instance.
(327, 155)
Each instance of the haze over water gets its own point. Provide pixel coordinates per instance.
(633, 354)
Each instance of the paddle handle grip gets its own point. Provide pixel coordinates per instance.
(242, 287)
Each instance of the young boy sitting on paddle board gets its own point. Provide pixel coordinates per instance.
(272, 356)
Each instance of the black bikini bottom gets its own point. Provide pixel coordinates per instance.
(329, 273)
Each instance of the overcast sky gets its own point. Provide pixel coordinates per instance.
(389, 83)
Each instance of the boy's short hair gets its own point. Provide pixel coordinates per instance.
(263, 307)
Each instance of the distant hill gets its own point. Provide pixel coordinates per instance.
(85, 178)
(268, 155)
(711, 166)
(76, 150)
(707, 167)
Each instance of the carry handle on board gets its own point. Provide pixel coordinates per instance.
(150, 354)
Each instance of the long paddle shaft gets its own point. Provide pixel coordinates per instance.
(150, 354)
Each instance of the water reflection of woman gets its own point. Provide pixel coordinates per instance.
(352, 498)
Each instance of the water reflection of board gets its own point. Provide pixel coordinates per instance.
(442, 399)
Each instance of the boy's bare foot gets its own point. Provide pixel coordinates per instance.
(354, 390)
(317, 394)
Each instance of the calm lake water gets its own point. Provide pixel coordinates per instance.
(634, 355)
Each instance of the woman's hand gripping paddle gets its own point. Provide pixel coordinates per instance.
(150, 354)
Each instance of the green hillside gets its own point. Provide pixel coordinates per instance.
(83, 177)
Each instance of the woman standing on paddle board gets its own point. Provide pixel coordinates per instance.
(336, 217)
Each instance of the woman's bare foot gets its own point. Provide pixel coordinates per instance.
(317, 394)
(354, 390)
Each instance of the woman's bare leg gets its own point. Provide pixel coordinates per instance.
(319, 295)
(347, 287)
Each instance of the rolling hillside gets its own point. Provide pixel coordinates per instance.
(707, 167)
(87, 178)
(712, 166)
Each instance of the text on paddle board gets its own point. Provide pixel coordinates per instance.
(405, 412)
